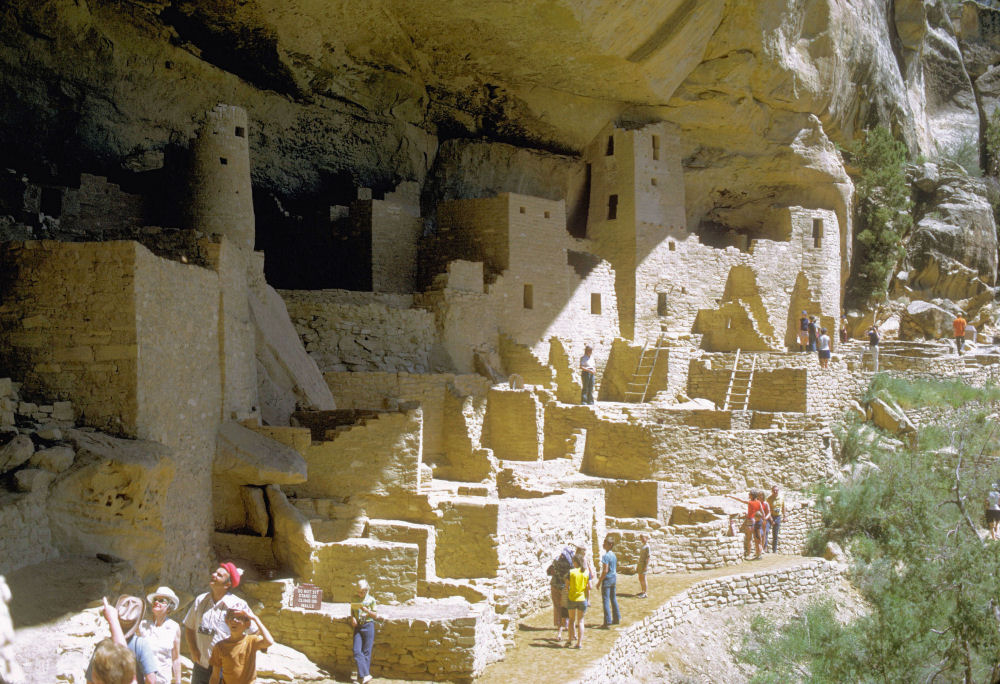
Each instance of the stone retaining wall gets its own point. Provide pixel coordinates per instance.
(635, 641)
(429, 640)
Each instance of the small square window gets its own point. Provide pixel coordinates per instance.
(223, 161)
(521, 210)
(529, 297)
(672, 246)
(595, 303)
(547, 215)
(241, 132)
(652, 181)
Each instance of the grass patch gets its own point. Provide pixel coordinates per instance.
(918, 393)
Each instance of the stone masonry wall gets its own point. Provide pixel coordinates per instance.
(444, 640)
(713, 461)
(379, 455)
(703, 546)
(374, 390)
(26, 537)
(531, 532)
(635, 641)
(356, 331)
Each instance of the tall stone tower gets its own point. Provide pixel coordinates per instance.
(220, 198)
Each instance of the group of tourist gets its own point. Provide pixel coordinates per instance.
(814, 338)
(763, 519)
(571, 577)
(222, 634)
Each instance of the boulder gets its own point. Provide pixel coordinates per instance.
(890, 417)
(16, 453)
(32, 479)
(54, 459)
(256, 509)
(247, 457)
(924, 320)
(834, 552)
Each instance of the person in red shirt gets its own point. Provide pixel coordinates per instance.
(959, 325)
(753, 507)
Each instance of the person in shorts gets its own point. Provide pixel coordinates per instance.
(578, 596)
(804, 331)
(823, 348)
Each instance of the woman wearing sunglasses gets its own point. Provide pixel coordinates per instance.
(164, 635)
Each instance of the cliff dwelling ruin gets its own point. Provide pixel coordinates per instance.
(223, 336)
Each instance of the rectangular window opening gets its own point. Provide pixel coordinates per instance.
(661, 304)
(672, 246)
(521, 209)
(51, 202)
(612, 207)
(656, 148)
(241, 132)
(611, 146)
(817, 232)
(652, 181)
(223, 161)
(529, 297)
(595, 303)
(548, 215)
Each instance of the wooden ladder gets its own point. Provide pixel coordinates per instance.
(636, 390)
(738, 392)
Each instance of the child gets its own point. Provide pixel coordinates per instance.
(363, 620)
(643, 564)
(235, 658)
(578, 588)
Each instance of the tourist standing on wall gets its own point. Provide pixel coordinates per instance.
(363, 621)
(164, 635)
(205, 622)
(811, 331)
(558, 571)
(804, 331)
(873, 340)
(823, 348)
(577, 599)
(843, 329)
(993, 510)
(959, 326)
(608, 582)
(588, 374)
(777, 503)
(643, 564)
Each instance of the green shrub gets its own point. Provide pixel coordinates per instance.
(883, 202)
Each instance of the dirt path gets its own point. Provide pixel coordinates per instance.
(537, 656)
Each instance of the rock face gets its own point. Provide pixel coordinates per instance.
(953, 248)
(924, 320)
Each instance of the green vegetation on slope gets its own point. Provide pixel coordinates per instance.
(883, 203)
(909, 521)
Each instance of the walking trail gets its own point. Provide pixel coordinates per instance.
(537, 656)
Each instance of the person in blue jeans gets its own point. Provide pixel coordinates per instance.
(363, 618)
(609, 578)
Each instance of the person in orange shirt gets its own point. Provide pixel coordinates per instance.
(959, 325)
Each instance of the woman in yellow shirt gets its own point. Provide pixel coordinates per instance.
(578, 590)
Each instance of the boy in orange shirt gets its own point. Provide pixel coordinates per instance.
(235, 658)
(959, 325)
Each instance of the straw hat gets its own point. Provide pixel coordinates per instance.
(130, 611)
(167, 593)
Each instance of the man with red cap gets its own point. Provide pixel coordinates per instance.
(205, 622)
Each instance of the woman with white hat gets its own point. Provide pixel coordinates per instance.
(164, 635)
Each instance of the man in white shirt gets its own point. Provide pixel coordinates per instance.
(205, 622)
(588, 373)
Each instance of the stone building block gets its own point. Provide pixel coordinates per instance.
(515, 424)
(467, 538)
(424, 536)
(54, 459)
(32, 479)
(390, 567)
(257, 551)
(379, 455)
(256, 509)
(637, 498)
